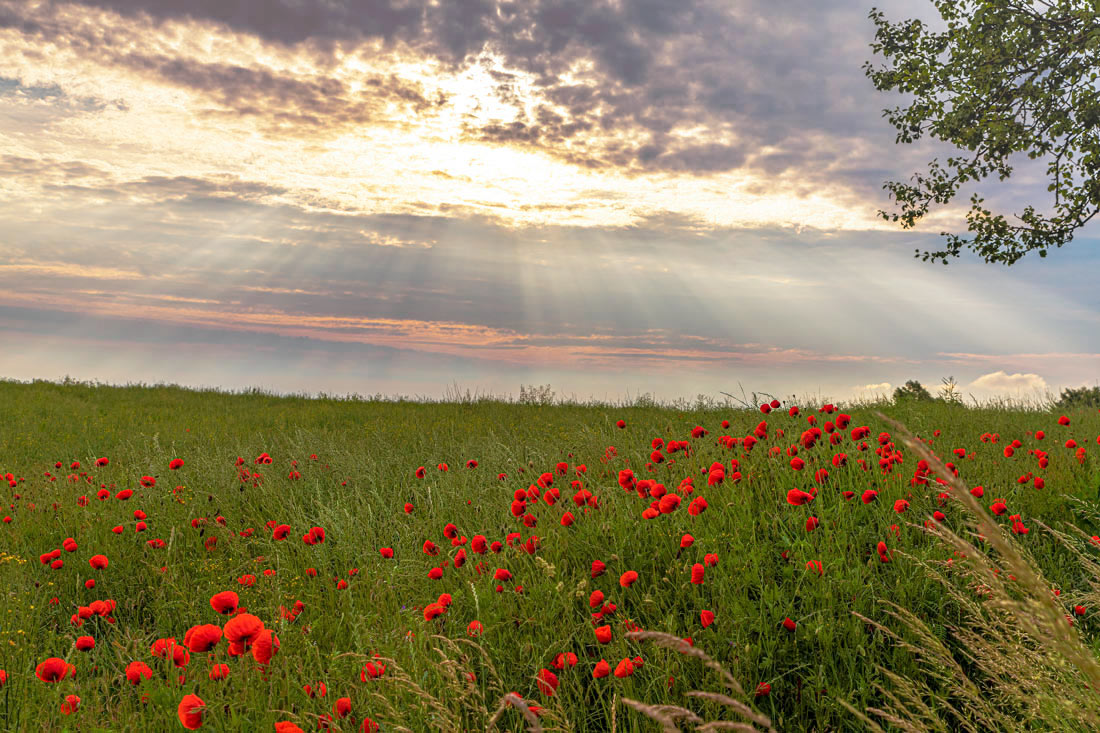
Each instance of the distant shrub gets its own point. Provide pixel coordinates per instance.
(949, 391)
(913, 390)
(1079, 397)
(530, 394)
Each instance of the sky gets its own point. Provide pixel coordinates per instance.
(405, 197)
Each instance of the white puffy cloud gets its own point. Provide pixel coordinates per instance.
(880, 387)
(1000, 381)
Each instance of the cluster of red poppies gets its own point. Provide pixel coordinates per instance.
(247, 636)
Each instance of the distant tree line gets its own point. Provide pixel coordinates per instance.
(914, 391)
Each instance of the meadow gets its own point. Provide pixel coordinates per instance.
(178, 559)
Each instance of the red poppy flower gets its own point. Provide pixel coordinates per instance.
(603, 634)
(625, 668)
(1063, 420)
(547, 682)
(136, 672)
(175, 464)
(869, 495)
(372, 671)
(224, 602)
(432, 610)
(202, 638)
(628, 578)
(264, 646)
(798, 497)
(85, 643)
(598, 568)
(190, 712)
(697, 506)
(98, 562)
(219, 672)
(474, 628)
(789, 625)
(620, 424)
(242, 630)
(697, 573)
(52, 670)
(285, 726)
(72, 702)
(763, 689)
(706, 618)
(421, 472)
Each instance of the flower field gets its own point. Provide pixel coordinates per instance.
(186, 560)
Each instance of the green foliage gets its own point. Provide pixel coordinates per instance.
(1005, 77)
(949, 391)
(367, 453)
(913, 390)
(1079, 397)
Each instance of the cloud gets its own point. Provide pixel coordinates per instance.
(1000, 381)
(696, 88)
(881, 386)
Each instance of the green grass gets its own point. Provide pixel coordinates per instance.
(367, 454)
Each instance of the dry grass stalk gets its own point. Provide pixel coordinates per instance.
(457, 680)
(677, 644)
(726, 725)
(445, 718)
(671, 716)
(1041, 612)
(666, 715)
(1033, 665)
(742, 709)
(509, 700)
